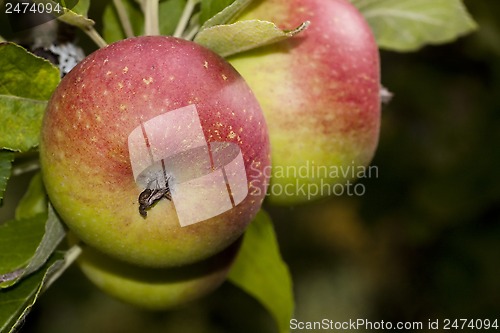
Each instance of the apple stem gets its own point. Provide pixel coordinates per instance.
(151, 24)
(186, 15)
(124, 19)
(69, 258)
(191, 33)
(95, 36)
(25, 167)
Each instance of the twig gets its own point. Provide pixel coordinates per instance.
(25, 167)
(151, 24)
(186, 15)
(124, 19)
(95, 36)
(191, 33)
(193, 27)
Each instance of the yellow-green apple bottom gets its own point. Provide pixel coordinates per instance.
(155, 288)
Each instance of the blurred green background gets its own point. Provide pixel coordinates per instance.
(422, 243)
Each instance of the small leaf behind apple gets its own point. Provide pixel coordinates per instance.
(26, 244)
(34, 200)
(227, 14)
(77, 16)
(17, 301)
(169, 14)
(210, 8)
(261, 272)
(242, 36)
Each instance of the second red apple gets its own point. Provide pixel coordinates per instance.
(320, 95)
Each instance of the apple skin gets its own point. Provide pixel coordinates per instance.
(319, 92)
(156, 288)
(85, 159)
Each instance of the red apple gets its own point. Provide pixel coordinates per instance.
(320, 95)
(147, 148)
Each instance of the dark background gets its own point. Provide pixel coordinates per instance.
(422, 243)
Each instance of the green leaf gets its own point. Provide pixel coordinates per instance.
(34, 200)
(20, 124)
(26, 83)
(227, 14)
(211, 7)
(17, 301)
(112, 28)
(25, 245)
(241, 36)
(25, 75)
(260, 271)
(170, 13)
(18, 242)
(407, 25)
(77, 16)
(78, 6)
(82, 7)
(6, 159)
